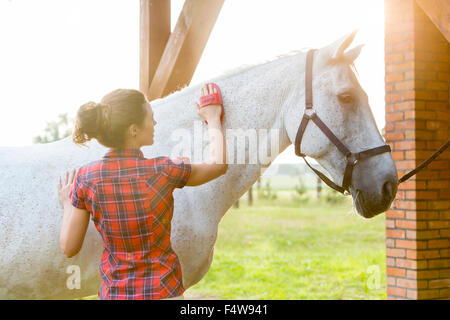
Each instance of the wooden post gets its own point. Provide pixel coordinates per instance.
(184, 47)
(155, 31)
(319, 187)
(250, 196)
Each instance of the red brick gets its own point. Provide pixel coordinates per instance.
(444, 293)
(421, 195)
(412, 294)
(427, 274)
(411, 234)
(425, 115)
(404, 125)
(435, 284)
(406, 164)
(405, 85)
(405, 205)
(395, 272)
(411, 283)
(395, 233)
(422, 254)
(394, 97)
(442, 96)
(443, 243)
(444, 273)
(394, 77)
(398, 67)
(435, 105)
(428, 294)
(444, 194)
(390, 262)
(411, 264)
(444, 215)
(437, 165)
(444, 233)
(395, 116)
(398, 155)
(427, 234)
(390, 224)
(407, 244)
(437, 264)
(422, 215)
(438, 224)
(438, 184)
(392, 252)
(394, 136)
(411, 224)
(395, 214)
(392, 291)
(439, 204)
(434, 85)
(443, 76)
(390, 281)
(404, 105)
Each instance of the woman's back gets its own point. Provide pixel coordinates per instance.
(130, 198)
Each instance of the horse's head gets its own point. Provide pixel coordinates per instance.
(343, 106)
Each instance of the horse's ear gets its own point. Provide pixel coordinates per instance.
(353, 53)
(335, 51)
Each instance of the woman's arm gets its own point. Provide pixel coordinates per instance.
(217, 165)
(203, 172)
(73, 229)
(75, 221)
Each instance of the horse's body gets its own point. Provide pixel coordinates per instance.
(261, 97)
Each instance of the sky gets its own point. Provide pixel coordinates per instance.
(58, 54)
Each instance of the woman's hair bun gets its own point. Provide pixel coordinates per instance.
(93, 121)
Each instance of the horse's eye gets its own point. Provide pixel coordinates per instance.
(346, 98)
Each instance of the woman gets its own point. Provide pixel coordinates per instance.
(130, 197)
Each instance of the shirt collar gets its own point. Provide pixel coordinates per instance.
(124, 153)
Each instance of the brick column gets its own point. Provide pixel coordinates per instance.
(417, 123)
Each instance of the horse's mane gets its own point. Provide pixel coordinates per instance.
(230, 73)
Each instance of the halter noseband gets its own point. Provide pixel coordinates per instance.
(310, 114)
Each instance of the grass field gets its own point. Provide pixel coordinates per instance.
(284, 249)
(287, 248)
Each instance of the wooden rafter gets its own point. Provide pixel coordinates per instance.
(183, 49)
(439, 12)
(154, 34)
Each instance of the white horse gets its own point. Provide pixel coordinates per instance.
(267, 96)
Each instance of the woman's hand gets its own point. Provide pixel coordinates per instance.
(212, 111)
(64, 187)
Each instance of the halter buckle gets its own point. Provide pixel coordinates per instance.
(309, 113)
(352, 159)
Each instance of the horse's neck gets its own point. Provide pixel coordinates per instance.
(253, 99)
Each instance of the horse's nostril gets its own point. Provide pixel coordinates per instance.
(389, 190)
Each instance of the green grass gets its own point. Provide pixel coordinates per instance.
(284, 249)
(290, 249)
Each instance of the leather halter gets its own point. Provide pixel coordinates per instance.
(310, 114)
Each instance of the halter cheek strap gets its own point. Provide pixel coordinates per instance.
(352, 158)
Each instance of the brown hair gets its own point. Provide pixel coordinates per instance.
(109, 120)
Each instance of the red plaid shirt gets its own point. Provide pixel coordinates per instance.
(131, 204)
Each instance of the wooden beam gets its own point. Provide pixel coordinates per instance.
(185, 47)
(439, 12)
(155, 31)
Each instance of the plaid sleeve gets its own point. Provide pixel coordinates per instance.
(77, 192)
(178, 171)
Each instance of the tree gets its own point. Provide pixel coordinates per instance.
(55, 130)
